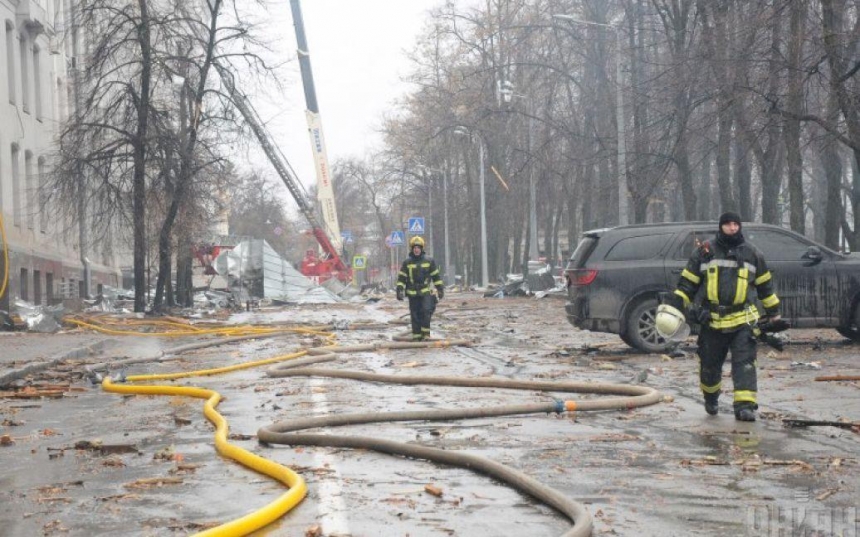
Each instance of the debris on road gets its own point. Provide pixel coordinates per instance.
(838, 378)
(433, 490)
(153, 482)
(795, 423)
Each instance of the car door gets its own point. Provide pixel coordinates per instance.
(806, 288)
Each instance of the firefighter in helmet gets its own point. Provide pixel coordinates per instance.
(419, 279)
(733, 273)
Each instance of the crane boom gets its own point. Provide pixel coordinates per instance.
(325, 191)
(333, 265)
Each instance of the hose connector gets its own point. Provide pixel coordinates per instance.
(93, 376)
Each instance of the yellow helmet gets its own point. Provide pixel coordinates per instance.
(671, 323)
(416, 241)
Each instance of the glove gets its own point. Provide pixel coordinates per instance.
(699, 314)
(440, 292)
(399, 293)
(773, 324)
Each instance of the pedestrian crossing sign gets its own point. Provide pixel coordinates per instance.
(416, 225)
(359, 262)
(396, 238)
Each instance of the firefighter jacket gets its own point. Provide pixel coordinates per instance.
(732, 277)
(418, 274)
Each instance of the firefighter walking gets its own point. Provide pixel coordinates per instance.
(418, 279)
(733, 273)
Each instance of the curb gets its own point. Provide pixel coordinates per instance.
(81, 352)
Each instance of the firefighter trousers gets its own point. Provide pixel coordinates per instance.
(421, 309)
(713, 348)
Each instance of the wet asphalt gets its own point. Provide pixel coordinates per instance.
(663, 470)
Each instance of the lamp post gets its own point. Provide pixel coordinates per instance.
(507, 93)
(447, 266)
(619, 113)
(463, 131)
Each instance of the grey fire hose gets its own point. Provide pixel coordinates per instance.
(284, 432)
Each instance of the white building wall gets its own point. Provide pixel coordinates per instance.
(43, 251)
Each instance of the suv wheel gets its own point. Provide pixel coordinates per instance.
(641, 330)
(852, 331)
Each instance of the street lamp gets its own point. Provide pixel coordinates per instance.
(447, 267)
(619, 112)
(506, 91)
(464, 131)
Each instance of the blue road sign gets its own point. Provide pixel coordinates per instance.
(416, 225)
(346, 235)
(397, 238)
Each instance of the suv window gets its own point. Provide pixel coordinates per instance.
(693, 241)
(632, 248)
(777, 246)
(583, 250)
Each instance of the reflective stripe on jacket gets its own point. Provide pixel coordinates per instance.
(732, 278)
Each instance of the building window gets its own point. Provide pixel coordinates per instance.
(49, 287)
(16, 186)
(43, 195)
(30, 188)
(37, 81)
(62, 111)
(25, 73)
(37, 287)
(10, 61)
(24, 285)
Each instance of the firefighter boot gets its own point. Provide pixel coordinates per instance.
(744, 413)
(711, 403)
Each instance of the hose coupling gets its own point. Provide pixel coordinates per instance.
(93, 376)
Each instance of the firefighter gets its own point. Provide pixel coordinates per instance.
(418, 279)
(732, 273)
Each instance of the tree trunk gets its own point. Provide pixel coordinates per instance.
(743, 179)
(794, 105)
(139, 160)
(705, 188)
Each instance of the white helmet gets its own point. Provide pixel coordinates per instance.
(671, 323)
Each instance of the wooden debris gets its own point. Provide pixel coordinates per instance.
(119, 497)
(6, 440)
(432, 489)
(826, 494)
(185, 468)
(154, 482)
(837, 378)
(314, 531)
(30, 392)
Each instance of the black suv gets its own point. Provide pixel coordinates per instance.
(615, 275)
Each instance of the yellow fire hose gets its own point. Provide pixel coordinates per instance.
(297, 488)
(179, 329)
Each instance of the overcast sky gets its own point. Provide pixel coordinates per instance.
(357, 52)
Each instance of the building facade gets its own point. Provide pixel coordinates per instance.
(46, 261)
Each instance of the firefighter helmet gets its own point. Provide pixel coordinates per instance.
(416, 241)
(671, 323)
